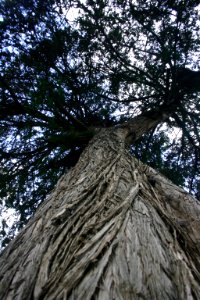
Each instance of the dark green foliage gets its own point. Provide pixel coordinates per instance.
(61, 78)
(188, 80)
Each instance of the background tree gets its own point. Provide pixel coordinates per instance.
(62, 79)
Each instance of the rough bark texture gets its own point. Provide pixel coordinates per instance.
(113, 228)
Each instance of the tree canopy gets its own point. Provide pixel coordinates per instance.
(69, 68)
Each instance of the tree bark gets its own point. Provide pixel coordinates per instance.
(113, 228)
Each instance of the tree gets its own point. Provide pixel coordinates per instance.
(113, 227)
(73, 76)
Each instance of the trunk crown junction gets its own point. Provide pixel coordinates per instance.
(141, 124)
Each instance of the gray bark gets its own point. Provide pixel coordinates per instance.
(113, 228)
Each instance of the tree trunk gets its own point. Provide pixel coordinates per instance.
(113, 228)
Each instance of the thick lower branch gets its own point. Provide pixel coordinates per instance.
(141, 124)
